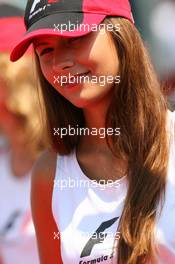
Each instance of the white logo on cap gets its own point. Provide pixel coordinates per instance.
(34, 5)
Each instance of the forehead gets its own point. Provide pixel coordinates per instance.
(47, 40)
(57, 38)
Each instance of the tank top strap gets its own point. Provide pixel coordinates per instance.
(64, 167)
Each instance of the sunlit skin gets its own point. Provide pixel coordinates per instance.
(94, 53)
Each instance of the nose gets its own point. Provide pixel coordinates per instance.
(62, 65)
(62, 62)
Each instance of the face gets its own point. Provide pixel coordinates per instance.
(81, 69)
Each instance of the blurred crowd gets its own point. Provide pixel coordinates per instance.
(155, 20)
(21, 130)
(21, 142)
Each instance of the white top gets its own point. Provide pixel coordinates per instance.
(17, 235)
(87, 213)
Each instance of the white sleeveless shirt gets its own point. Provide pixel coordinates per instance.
(87, 213)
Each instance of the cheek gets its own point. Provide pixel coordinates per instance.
(104, 56)
(50, 76)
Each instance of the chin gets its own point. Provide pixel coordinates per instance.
(89, 96)
(87, 102)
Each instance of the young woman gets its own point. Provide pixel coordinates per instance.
(128, 218)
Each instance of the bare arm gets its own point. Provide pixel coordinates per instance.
(41, 200)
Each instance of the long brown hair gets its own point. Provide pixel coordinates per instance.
(139, 108)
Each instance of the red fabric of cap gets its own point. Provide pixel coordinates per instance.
(24, 43)
(94, 12)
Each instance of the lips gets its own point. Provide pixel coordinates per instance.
(78, 75)
(73, 79)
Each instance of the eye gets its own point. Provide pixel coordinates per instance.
(46, 51)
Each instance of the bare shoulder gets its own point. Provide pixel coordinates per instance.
(41, 202)
(42, 183)
(45, 166)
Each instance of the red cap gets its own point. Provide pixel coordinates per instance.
(66, 18)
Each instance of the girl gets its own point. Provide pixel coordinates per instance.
(100, 199)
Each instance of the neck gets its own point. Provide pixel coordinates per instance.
(95, 120)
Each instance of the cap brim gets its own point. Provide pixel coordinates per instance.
(48, 26)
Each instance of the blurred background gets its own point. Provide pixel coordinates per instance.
(21, 132)
(21, 141)
(155, 20)
(18, 3)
